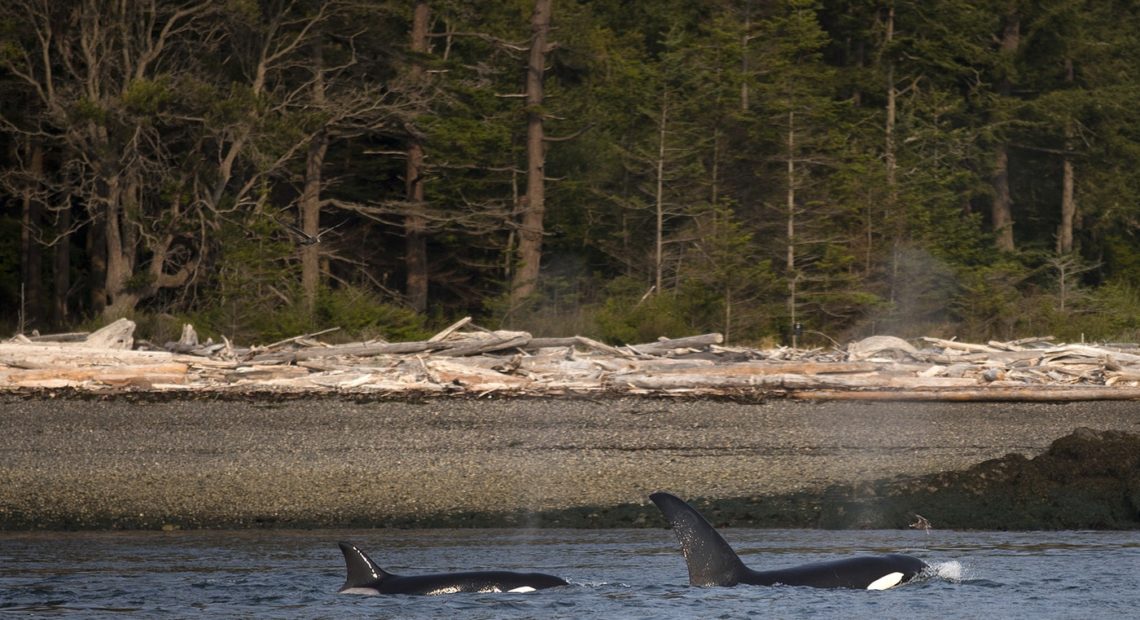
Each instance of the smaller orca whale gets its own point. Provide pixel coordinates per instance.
(365, 577)
(712, 562)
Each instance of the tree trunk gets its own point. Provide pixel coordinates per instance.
(1002, 213)
(31, 266)
(790, 265)
(123, 292)
(534, 206)
(415, 238)
(744, 39)
(894, 219)
(1068, 196)
(311, 195)
(889, 155)
(1068, 207)
(659, 196)
(61, 266)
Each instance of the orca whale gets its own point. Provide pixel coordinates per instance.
(365, 577)
(712, 562)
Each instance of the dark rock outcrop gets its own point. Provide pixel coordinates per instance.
(1086, 480)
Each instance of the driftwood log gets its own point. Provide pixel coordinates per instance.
(466, 359)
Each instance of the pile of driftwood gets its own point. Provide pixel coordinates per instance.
(465, 359)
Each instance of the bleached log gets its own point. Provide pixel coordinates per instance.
(1127, 376)
(775, 368)
(1004, 357)
(670, 381)
(301, 337)
(117, 335)
(959, 346)
(117, 375)
(63, 337)
(450, 329)
(357, 350)
(1020, 344)
(1036, 393)
(455, 372)
(50, 355)
(189, 336)
(258, 373)
(480, 362)
(1094, 352)
(497, 341)
(603, 347)
(552, 343)
(875, 345)
(665, 345)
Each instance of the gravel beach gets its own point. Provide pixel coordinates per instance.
(122, 462)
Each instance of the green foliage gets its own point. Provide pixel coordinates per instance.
(147, 96)
(562, 306)
(250, 281)
(712, 99)
(1110, 313)
(629, 316)
(246, 10)
(258, 297)
(85, 110)
(9, 51)
(363, 315)
(990, 301)
(723, 285)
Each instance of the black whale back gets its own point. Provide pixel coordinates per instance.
(857, 572)
(364, 574)
(362, 571)
(712, 561)
(710, 558)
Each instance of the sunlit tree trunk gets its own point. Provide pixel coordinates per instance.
(1002, 211)
(1068, 195)
(745, 37)
(534, 204)
(415, 237)
(893, 218)
(61, 266)
(790, 204)
(659, 197)
(120, 264)
(311, 193)
(31, 266)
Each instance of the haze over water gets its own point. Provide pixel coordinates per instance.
(613, 574)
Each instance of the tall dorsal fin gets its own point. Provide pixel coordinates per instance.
(362, 571)
(711, 560)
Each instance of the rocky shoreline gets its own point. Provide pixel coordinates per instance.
(139, 462)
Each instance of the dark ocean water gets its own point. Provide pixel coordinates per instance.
(613, 574)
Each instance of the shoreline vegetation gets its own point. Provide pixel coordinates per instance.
(466, 360)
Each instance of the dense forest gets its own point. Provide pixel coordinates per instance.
(614, 168)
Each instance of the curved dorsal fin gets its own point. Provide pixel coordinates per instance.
(711, 560)
(362, 571)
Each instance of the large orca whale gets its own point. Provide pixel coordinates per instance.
(712, 562)
(365, 577)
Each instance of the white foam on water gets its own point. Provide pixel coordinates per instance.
(950, 570)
